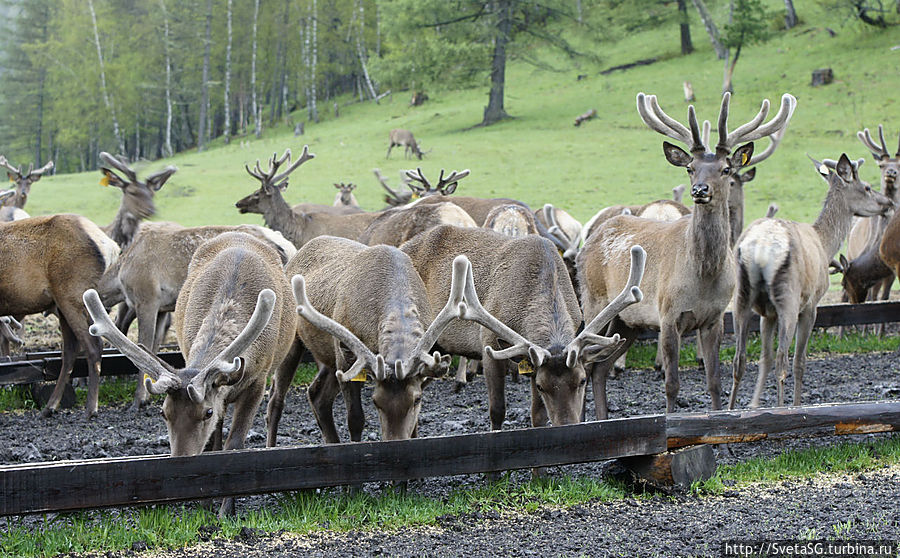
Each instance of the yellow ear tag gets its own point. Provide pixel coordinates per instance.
(104, 181)
(146, 376)
(11, 179)
(415, 196)
(525, 367)
(823, 169)
(744, 158)
(361, 377)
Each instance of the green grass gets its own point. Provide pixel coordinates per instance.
(168, 527)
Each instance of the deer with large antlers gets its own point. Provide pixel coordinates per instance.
(377, 322)
(783, 273)
(530, 316)
(235, 322)
(296, 225)
(690, 275)
(23, 181)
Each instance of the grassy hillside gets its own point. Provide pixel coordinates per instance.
(539, 156)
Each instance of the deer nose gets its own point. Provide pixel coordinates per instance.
(891, 173)
(700, 190)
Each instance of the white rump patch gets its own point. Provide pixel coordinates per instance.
(764, 249)
(452, 214)
(277, 239)
(510, 222)
(661, 212)
(107, 246)
(19, 214)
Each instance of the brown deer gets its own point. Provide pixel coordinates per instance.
(345, 196)
(153, 270)
(23, 182)
(299, 227)
(783, 273)
(377, 322)
(530, 315)
(48, 262)
(397, 225)
(690, 273)
(401, 137)
(235, 322)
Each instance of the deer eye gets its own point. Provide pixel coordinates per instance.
(726, 170)
(868, 188)
(690, 170)
(539, 388)
(417, 400)
(208, 415)
(582, 382)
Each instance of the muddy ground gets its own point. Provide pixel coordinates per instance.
(678, 525)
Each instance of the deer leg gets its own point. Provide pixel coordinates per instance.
(844, 298)
(356, 420)
(146, 317)
(767, 340)
(284, 373)
(804, 330)
(742, 315)
(388, 156)
(163, 321)
(708, 340)
(125, 315)
(461, 370)
(69, 345)
(669, 341)
(321, 394)
(787, 329)
(885, 295)
(495, 379)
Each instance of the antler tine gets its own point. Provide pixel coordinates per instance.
(774, 142)
(363, 355)
(570, 244)
(706, 129)
(418, 177)
(158, 376)
(630, 294)
(750, 132)
(6, 164)
(304, 157)
(881, 137)
(257, 174)
(7, 325)
(723, 121)
(866, 138)
(475, 312)
(696, 138)
(43, 169)
(454, 309)
(119, 165)
(454, 177)
(657, 120)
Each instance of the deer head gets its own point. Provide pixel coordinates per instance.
(271, 183)
(393, 197)
(138, 195)
(196, 395)
(445, 186)
(843, 180)
(22, 181)
(890, 166)
(346, 192)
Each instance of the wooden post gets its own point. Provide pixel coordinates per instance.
(679, 467)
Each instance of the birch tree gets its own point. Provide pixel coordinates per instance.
(120, 142)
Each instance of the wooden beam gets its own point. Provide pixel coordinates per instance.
(678, 467)
(69, 485)
(723, 427)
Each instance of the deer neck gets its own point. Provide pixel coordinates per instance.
(709, 238)
(124, 227)
(279, 216)
(834, 222)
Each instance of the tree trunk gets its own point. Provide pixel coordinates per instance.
(579, 15)
(120, 142)
(711, 29)
(313, 110)
(361, 50)
(790, 15)
(687, 46)
(729, 72)
(40, 120)
(254, 107)
(167, 149)
(227, 99)
(494, 112)
(204, 86)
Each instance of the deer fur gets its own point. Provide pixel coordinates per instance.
(378, 316)
(511, 220)
(235, 322)
(690, 271)
(404, 138)
(48, 263)
(783, 273)
(529, 303)
(395, 226)
(297, 227)
(345, 196)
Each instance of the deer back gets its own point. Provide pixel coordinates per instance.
(395, 226)
(511, 220)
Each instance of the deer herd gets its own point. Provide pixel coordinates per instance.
(389, 296)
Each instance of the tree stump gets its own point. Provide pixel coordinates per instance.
(418, 98)
(679, 467)
(298, 129)
(688, 92)
(822, 76)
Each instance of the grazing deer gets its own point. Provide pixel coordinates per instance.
(299, 227)
(401, 137)
(376, 321)
(530, 315)
(153, 271)
(48, 262)
(235, 322)
(345, 196)
(690, 274)
(783, 273)
(23, 182)
(397, 225)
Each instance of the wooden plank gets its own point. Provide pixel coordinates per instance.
(722, 427)
(69, 485)
(678, 467)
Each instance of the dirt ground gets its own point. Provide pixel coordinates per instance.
(679, 525)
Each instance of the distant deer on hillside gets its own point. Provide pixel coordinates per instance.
(405, 138)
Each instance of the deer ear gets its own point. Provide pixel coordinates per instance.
(676, 155)
(230, 378)
(844, 263)
(111, 179)
(748, 176)
(449, 189)
(844, 168)
(741, 156)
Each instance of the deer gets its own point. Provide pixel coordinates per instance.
(48, 263)
(153, 272)
(10, 329)
(529, 315)
(397, 225)
(783, 273)
(401, 137)
(393, 197)
(691, 274)
(375, 324)
(345, 196)
(297, 226)
(23, 182)
(235, 322)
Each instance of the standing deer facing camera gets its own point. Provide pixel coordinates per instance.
(345, 196)
(398, 137)
(23, 182)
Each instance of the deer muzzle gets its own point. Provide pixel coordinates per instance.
(700, 193)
